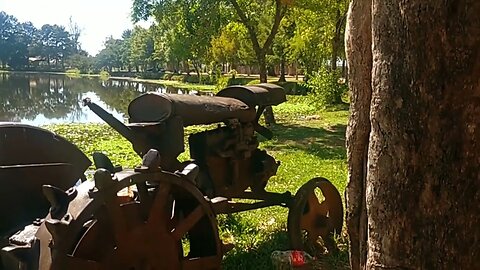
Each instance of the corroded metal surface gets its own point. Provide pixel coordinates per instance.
(148, 229)
(161, 215)
(193, 110)
(264, 94)
(319, 219)
(31, 157)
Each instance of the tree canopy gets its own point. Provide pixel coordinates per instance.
(198, 35)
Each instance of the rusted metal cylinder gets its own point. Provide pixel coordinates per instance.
(264, 94)
(194, 110)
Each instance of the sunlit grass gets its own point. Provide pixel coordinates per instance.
(307, 142)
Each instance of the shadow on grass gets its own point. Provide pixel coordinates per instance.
(325, 143)
(255, 255)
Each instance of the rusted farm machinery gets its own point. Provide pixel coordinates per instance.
(162, 214)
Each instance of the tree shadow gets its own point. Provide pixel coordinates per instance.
(258, 256)
(325, 143)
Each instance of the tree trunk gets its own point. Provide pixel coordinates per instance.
(344, 68)
(282, 70)
(359, 55)
(336, 41)
(262, 68)
(422, 170)
(196, 66)
(268, 113)
(296, 70)
(271, 71)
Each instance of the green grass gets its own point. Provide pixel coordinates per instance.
(307, 142)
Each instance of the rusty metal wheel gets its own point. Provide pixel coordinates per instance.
(315, 214)
(129, 223)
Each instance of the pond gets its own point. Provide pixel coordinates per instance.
(41, 99)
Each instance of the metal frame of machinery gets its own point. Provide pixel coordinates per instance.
(162, 214)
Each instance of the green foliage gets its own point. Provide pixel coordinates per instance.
(296, 108)
(225, 81)
(141, 48)
(51, 44)
(99, 137)
(233, 45)
(293, 88)
(205, 79)
(74, 72)
(178, 78)
(327, 88)
(81, 61)
(222, 83)
(108, 58)
(104, 74)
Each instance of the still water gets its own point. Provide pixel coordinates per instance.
(41, 99)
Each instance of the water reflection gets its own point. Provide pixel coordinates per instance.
(41, 99)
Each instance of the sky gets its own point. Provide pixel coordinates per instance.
(97, 19)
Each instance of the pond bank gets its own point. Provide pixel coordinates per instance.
(292, 86)
(176, 84)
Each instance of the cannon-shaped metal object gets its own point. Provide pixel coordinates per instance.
(162, 214)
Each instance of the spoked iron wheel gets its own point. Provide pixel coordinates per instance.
(315, 215)
(165, 224)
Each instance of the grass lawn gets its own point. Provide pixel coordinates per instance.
(307, 142)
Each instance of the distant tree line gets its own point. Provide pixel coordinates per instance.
(22, 45)
(238, 35)
(201, 35)
(271, 37)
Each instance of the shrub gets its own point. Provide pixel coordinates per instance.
(152, 75)
(227, 81)
(326, 87)
(293, 88)
(222, 82)
(104, 74)
(178, 78)
(73, 72)
(167, 76)
(206, 79)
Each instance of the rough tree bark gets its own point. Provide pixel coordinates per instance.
(359, 56)
(414, 178)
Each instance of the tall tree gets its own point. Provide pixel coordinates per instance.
(141, 48)
(232, 46)
(319, 33)
(125, 53)
(56, 43)
(187, 27)
(413, 137)
(75, 32)
(261, 19)
(249, 13)
(8, 26)
(261, 40)
(110, 56)
(22, 43)
(281, 46)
